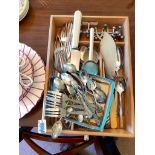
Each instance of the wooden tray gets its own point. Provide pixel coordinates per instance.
(56, 22)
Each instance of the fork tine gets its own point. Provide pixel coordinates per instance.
(51, 106)
(53, 98)
(54, 93)
(49, 115)
(68, 29)
(55, 109)
(51, 103)
(70, 32)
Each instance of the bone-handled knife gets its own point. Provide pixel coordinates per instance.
(75, 53)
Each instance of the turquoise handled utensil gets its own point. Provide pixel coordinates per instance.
(90, 66)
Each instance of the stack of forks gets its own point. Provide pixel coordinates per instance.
(66, 38)
(62, 51)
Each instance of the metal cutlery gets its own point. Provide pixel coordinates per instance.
(109, 54)
(120, 88)
(60, 56)
(66, 38)
(75, 53)
(66, 33)
(90, 66)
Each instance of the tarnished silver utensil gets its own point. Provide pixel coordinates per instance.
(60, 56)
(99, 95)
(56, 129)
(108, 50)
(66, 38)
(66, 33)
(120, 88)
(68, 67)
(58, 84)
(90, 66)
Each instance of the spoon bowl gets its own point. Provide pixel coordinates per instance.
(68, 67)
(121, 85)
(84, 76)
(56, 129)
(100, 96)
(58, 84)
(66, 78)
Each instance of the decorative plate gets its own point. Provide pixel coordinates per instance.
(36, 90)
(23, 8)
(26, 69)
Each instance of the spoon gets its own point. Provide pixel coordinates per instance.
(58, 84)
(98, 93)
(84, 76)
(92, 86)
(56, 129)
(68, 67)
(67, 78)
(119, 61)
(120, 88)
(77, 82)
(100, 96)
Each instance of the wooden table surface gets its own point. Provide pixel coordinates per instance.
(33, 29)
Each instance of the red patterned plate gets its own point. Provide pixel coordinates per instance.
(26, 69)
(36, 90)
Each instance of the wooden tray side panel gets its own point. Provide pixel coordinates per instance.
(106, 132)
(49, 61)
(110, 20)
(129, 101)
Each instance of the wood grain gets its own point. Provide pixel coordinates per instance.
(113, 114)
(33, 30)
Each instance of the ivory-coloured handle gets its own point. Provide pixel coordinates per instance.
(76, 28)
(91, 44)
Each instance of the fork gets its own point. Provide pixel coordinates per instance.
(60, 98)
(61, 112)
(66, 38)
(54, 107)
(60, 55)
(66, 33)
(57, 103)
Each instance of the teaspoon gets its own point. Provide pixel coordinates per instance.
(120, 88)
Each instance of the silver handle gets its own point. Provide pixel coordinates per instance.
(121, 113)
